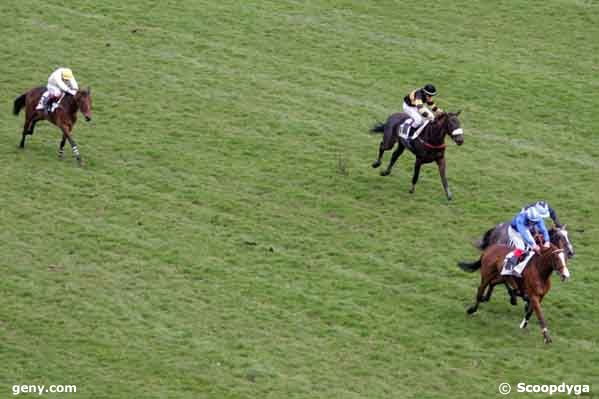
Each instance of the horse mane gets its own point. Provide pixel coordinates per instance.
(484, 242)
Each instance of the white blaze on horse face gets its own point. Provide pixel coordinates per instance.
(564, 234)
(562, 259)
(457, 132)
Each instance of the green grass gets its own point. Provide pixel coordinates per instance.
(228, 238)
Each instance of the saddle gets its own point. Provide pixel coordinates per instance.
(516, 269)
(405, 129)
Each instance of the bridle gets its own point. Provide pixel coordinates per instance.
(441, 147)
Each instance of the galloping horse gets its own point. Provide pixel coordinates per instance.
(558, 236)
(535, 281)
(429, 146)
(64, 116)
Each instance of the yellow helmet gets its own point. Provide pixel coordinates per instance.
(67, 74)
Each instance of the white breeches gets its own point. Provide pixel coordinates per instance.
(516, 239)
(54, 90)
(414, 114)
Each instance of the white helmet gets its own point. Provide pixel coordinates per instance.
(537, 212)
(543, 209)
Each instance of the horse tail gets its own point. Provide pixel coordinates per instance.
(484, 243)
(470, 266)
(378, 128)
(19, 103)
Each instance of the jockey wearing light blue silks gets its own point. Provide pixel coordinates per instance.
(520, 235)
(524, 221)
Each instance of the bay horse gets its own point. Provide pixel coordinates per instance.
(429, 146)
(535, 282)
(558, 236)
(64, 116)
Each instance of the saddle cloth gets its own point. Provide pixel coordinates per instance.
(404, 129)
(519, 268)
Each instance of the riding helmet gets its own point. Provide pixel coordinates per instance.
(430, 90)
(542, 208)
(533, 214)
(67, 74)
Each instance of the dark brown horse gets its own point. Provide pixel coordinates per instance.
(535, 281)
(64, 116)
(429, 146)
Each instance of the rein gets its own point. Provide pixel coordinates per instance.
(432, 146)
(437, 147)
(545, 254)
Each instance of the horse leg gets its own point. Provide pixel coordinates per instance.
(73, 146)
(487, 296)
(536, 305)
(27, 129)
(417, 166)
(512, 293)
(394, 157)
(22, 143)
(441, 165)
(527, 313)
(382, 149)
(387, 142)
(479, 295)
(61, 147)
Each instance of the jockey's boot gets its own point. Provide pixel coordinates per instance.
(415, 126)
(511, 261)
(43, 103)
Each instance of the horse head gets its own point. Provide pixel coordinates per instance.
(557, 260)
(84, 103)
(450, 124)
(559, 237)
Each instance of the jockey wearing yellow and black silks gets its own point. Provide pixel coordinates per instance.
(419, 105)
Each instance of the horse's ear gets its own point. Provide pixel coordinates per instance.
(89, 90)
(458, 113)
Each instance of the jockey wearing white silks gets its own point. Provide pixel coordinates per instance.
(60, 81)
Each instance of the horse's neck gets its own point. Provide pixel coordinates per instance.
(70, 104)
(543, 268)
(433, 134)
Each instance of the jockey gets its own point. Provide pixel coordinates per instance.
(61, 81)
(519, 232)
(414, 105)
(552, 213)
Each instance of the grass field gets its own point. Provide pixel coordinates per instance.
(228, 238)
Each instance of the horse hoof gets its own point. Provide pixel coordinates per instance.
(412, 190)
(376, 164)
(385, 173)
(547, 340)
(524, 324)
(471, 310)
(449, 197)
